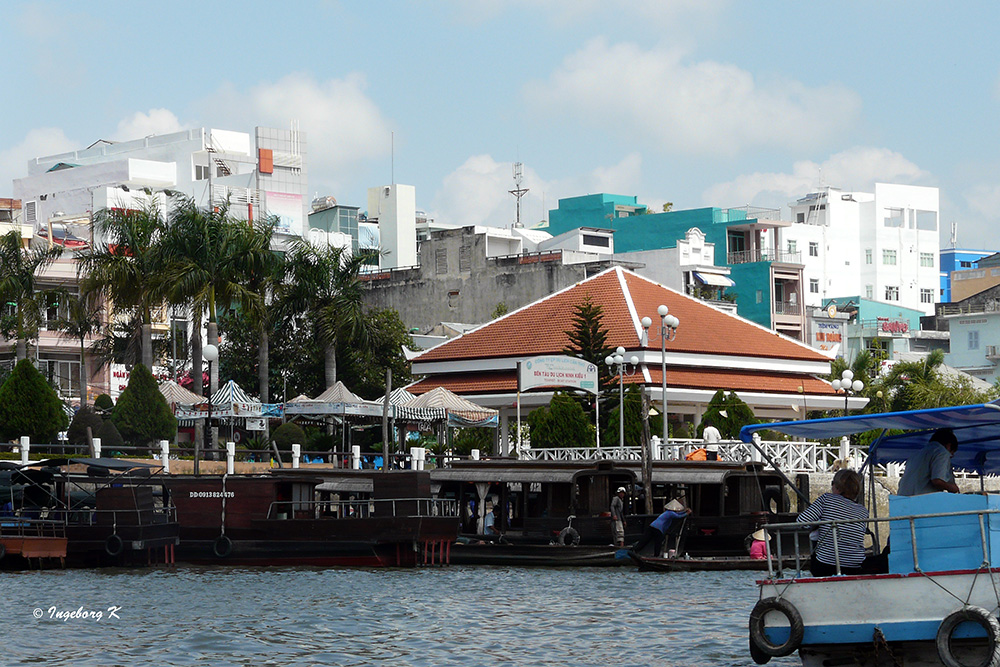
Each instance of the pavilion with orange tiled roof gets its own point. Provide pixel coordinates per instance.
(775, 375)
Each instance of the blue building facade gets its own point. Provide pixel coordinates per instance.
(957, 259)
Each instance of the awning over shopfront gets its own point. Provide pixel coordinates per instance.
(713, 279)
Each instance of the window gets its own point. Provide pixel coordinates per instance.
(868, 255)
(594, 240)
(800, 217)
(760, 296)
(465, 258)
(792, 246)
(869, 291)
(893, 217)
(926, 296)
(889, 257)
(200, 172)
(891, 293)
(927, 259)
(441, 261)
(813, 286)
(927, 220)
(974, 340)
(965, 265)
(813, 249)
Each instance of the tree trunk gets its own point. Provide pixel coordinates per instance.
(22, 349)
(330, 354)
(196, 368)
(213, 339)
(83, 373)
(263, 367)
(147, 346)
(385, 420)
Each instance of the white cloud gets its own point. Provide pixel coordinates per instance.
(38, 142)
(157, 121)
(343, 126)
(477, 193)
(657, 96)
(854, 169)
(984, 199)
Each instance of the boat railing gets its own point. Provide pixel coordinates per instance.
(362, 509)
(18, 527)
(88, 516)
(776, 561)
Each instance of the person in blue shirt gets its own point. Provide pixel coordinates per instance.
(929, 470)
(656, 531)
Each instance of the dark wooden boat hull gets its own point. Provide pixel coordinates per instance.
(538, 555)
(648, 563)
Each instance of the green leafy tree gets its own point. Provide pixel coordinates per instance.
(728, 413)
(363, 366)
(562, 423)
(588, 339)
(82, 320)
(142, 415)
(464, 440)
(288, 434)
(125, 267)
(610, 433)
(29, 406)
(85, 417)
(104, 403)
(500, 310)
(21, 301)
(111, 438)
(323, 284)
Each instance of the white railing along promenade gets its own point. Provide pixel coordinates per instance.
(791, 457)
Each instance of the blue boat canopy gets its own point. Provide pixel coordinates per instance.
(977, 428)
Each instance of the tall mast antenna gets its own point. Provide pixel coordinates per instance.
(518, 191)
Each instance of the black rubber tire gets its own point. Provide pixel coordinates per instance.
(773, 495)
(3, 550)
(222, 547)
(758, 636)
(569, 536)
(759, 657)
(985, 620)
(113, 545)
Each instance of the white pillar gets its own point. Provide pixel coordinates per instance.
(97, 448)
(25, 448)
(356, 457)
(654, 444)
(296, 455)
(474, 455)
(421, 457)
(845, 449)
(414, 460)
(504, 435)
(165, 455)
(230, 458)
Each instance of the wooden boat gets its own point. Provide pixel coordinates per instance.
(707, 563)
(109, 511)
(295, 517)
(28, 543)
(469, 551)
(545, 504)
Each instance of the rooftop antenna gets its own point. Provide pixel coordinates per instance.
(518, 191)
(392, 158)
(954, 234)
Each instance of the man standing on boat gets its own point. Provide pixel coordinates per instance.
(618, 516)
(711, 437)
(929, 470)
(656, 532)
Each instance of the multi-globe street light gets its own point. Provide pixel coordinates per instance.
(618, 359)
(848, 385)
(667, 332)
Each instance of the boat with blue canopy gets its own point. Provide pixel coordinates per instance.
(938, 603)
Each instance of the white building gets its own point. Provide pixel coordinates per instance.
(880, 246)
(260, 175)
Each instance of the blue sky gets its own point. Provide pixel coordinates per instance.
(697, 102)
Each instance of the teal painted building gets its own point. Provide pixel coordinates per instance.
(768, 282)
(884, 329)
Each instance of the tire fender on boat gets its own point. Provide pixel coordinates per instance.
(773, 494)
(222, 547)
(113, 545)
(569, 536)
(973, 614)
(759, 638)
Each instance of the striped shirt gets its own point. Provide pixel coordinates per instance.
(850, 536)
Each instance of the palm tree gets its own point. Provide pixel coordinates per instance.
(207, 257)
(264, 282)
(323, 283)
(18, 271)
(83, 319)
(125, 266)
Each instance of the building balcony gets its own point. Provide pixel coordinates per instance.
(787, 308)
(753, 256)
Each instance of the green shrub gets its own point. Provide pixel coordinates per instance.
(287, 435)
(29, 406)
(142, 415)
(84, 417)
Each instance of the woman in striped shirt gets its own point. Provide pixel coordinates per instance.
(838, 505)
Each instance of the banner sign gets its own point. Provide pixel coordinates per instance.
(558, 371)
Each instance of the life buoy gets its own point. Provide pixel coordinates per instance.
(569, 536)
(759, 638)
(222, 547)
(113, 545)
(773, 497)
(973, 614)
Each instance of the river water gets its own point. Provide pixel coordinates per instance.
(426, 617)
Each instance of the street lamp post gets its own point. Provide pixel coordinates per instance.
(846, 385)
(618, 359)
(668, 331)
(210, 353)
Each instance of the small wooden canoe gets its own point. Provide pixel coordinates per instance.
(714, 563)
